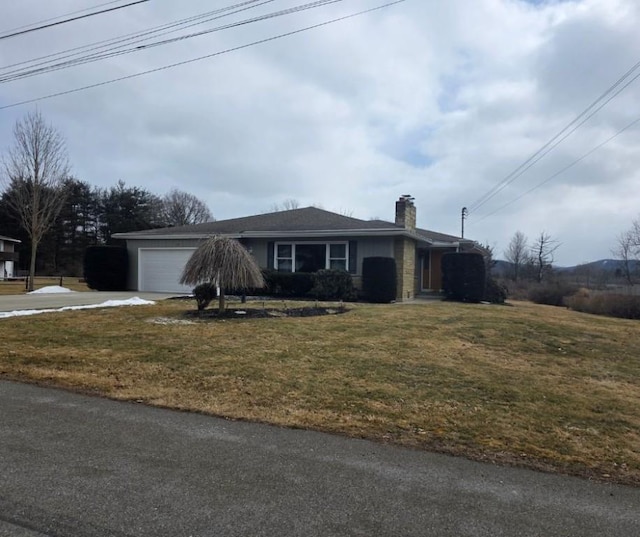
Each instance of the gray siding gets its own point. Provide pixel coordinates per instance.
(367, 247)
(373, 247)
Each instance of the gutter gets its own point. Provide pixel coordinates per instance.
(382, 232)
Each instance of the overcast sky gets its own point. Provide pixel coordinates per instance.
(438, 99)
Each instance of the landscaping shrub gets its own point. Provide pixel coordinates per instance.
(494, 292)
(106, 268)
(613, 305)
(333, 285)
(463, 276)
(552, 293)
(204, 294)
(379, 279)
(287, 284)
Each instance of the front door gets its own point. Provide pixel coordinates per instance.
(436, 270)
(426, 276)
(432, 270)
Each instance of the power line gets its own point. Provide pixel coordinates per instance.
(59, 16)
(200, 19)
(200, 58)
(562, 135)
(124, 41)
(65, 21)
(559, 172)
(9, 77)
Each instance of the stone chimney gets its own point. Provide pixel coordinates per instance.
(406, 212)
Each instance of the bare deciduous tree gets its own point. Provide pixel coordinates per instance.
(287, 205)
(517, 253)
(183, 209)
(35, 169)
(224, 262)
(346, 212)
(627, 249)
(542, 252)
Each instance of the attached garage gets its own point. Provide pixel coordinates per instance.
(159, 269)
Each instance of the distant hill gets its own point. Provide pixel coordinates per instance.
(605, 265)
(504, 268)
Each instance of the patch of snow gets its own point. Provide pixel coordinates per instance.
(51, 290)
(167, 320)
(135, 301)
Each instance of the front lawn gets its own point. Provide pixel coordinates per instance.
(530, 385)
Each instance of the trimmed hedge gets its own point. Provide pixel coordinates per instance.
(333, 285)
(463, 276)
(379, 279)
(494, 292)
(287, 284)
(204, 293)
(106, 268)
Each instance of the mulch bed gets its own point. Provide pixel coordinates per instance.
(261, 313)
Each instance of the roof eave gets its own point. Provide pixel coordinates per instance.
(382, 232)
(7, 239)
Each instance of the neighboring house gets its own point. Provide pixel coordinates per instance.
(299, 240)
(8, 257)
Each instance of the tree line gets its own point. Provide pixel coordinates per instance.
(59, 216)
(534, 261)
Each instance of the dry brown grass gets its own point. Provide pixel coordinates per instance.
(17, 287)
(530, 385)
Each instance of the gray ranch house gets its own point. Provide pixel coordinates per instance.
(299, 240)
(8, 257)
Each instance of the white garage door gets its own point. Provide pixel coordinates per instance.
(159, 269)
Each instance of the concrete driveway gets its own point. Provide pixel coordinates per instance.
(59, 300)
(79, 466)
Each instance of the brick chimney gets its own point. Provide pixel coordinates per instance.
(406, 212)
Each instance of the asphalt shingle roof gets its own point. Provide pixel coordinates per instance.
(294, 220)
(307, 219)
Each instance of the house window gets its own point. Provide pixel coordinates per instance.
(311, 256)
(284, 257)
(338, 256)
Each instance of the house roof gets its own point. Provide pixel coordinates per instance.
(9, 239)
(309, 221)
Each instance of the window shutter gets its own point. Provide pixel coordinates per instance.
(270, 249)
(353, 257)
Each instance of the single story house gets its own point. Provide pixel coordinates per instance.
(306, 240)
(8, 257)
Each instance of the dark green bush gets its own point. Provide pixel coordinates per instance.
(333, 285)
(463, 276)
(287, 284)
(613, 305)
(204, 294)
(106, 268)
(495, 292)
(552, 293)
(379, 279)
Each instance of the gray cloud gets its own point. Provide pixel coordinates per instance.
(437, 99)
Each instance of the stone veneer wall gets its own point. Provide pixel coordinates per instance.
(405, 255)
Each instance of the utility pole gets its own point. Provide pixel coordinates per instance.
(464, 214)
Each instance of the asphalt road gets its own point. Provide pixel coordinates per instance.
(79, 466)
